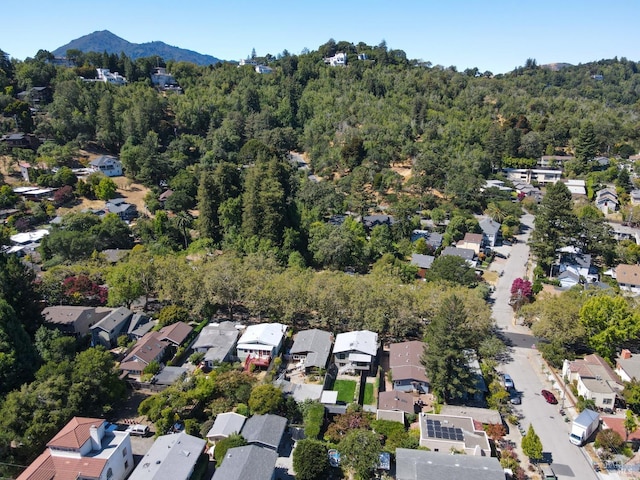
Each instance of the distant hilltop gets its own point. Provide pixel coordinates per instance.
(106, 41)
(554, 67)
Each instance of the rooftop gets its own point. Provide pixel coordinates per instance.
(360, 341)
(424, 465)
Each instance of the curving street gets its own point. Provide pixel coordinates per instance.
(526, 368)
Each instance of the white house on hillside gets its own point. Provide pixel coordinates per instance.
(108, 165)
(262, 341)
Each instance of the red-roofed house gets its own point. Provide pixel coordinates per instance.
(617, 424)
(595, 380)
(86, 448)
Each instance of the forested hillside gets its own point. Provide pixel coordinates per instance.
(248, 230)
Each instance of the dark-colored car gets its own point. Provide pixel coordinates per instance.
(549, 397)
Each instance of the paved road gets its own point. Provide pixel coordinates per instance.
(526, 368)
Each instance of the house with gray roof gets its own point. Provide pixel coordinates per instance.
(108, 165)
(73, 320)
(433, 239)
(218, 342)
(312, 348)
(171, 457)
(169, 375)
(490, 231)
(107, 330)
(465, 253)
(250, 462)
(124, 210)
(423, 262)
(225, 424)
(424, 465)
(265, 430)
(407, 371)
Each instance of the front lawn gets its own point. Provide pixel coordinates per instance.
(346, 390)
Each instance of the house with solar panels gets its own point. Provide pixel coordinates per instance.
(450, 434)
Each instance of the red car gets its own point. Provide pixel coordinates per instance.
(549, 397)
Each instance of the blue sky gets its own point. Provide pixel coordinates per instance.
(491, 35)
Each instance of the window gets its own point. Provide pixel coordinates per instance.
(606, 401)
(124, 452)
(126, 464)
(109, 473)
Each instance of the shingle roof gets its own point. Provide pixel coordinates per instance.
(628, 274)
(171, 457)
(266, 430)
(226, 424)
(250, 462)
(465, 253)
(114, 319)
(394, 400)
(489, 226)
(316, 343)
(147, 349)
(175, 333)
(422, 261)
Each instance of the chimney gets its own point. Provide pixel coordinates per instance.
(625, 354)
(95, 437)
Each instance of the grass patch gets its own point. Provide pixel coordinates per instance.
(346, 390)
(368, 394)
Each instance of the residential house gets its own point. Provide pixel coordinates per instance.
(224, 425)
(621, 232)
(407, 371)
(217, 341)
(528, 190)
(356, 351)
(468, 254)
(471, 241)
(312, 348)
(423, 262)
(628, 277)
(530, 175)
(554, 161)
(628, 366)
(148, 349)
(108, 165)
(595, 380)
(444, 433)
(248, 462)
(490, 231)
(571, 258)
(607, 200)
(261, 342)
(576, 187)
(105, 75)
(338, 60)
(171, 457)
(85, 448)
(264, 430)
(126, 211)
(499, 184)
(162, 79)
(176, 333)
(36, 96)
(634, 196)
(263, 69)
(164, 196)
(433, 239)
(169, 375)
(370, 221)
(481, 416)
(568, 279)
(107, 330)
(397, 400)
(20, 140)
(424, 465)
(617, 425)
(73, 320)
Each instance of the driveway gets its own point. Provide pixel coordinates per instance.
(527, 368)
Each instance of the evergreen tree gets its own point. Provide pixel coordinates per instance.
(444, 356)
(586, 147)
(531, 445)
(555, 224)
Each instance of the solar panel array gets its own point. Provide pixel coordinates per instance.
(436, 430)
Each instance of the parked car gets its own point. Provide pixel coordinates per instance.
(508, 381)
(515, 398)
(549, 397)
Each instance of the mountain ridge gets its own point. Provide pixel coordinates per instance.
(104, 40)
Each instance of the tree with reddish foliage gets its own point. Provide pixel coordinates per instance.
(63, 195)
(81, 290)
(353, 419)
(521, 291)
(495, 431)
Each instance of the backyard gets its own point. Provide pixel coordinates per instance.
(346, 390)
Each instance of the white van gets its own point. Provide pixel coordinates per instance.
(138, 430)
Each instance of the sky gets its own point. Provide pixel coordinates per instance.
(493, 35)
